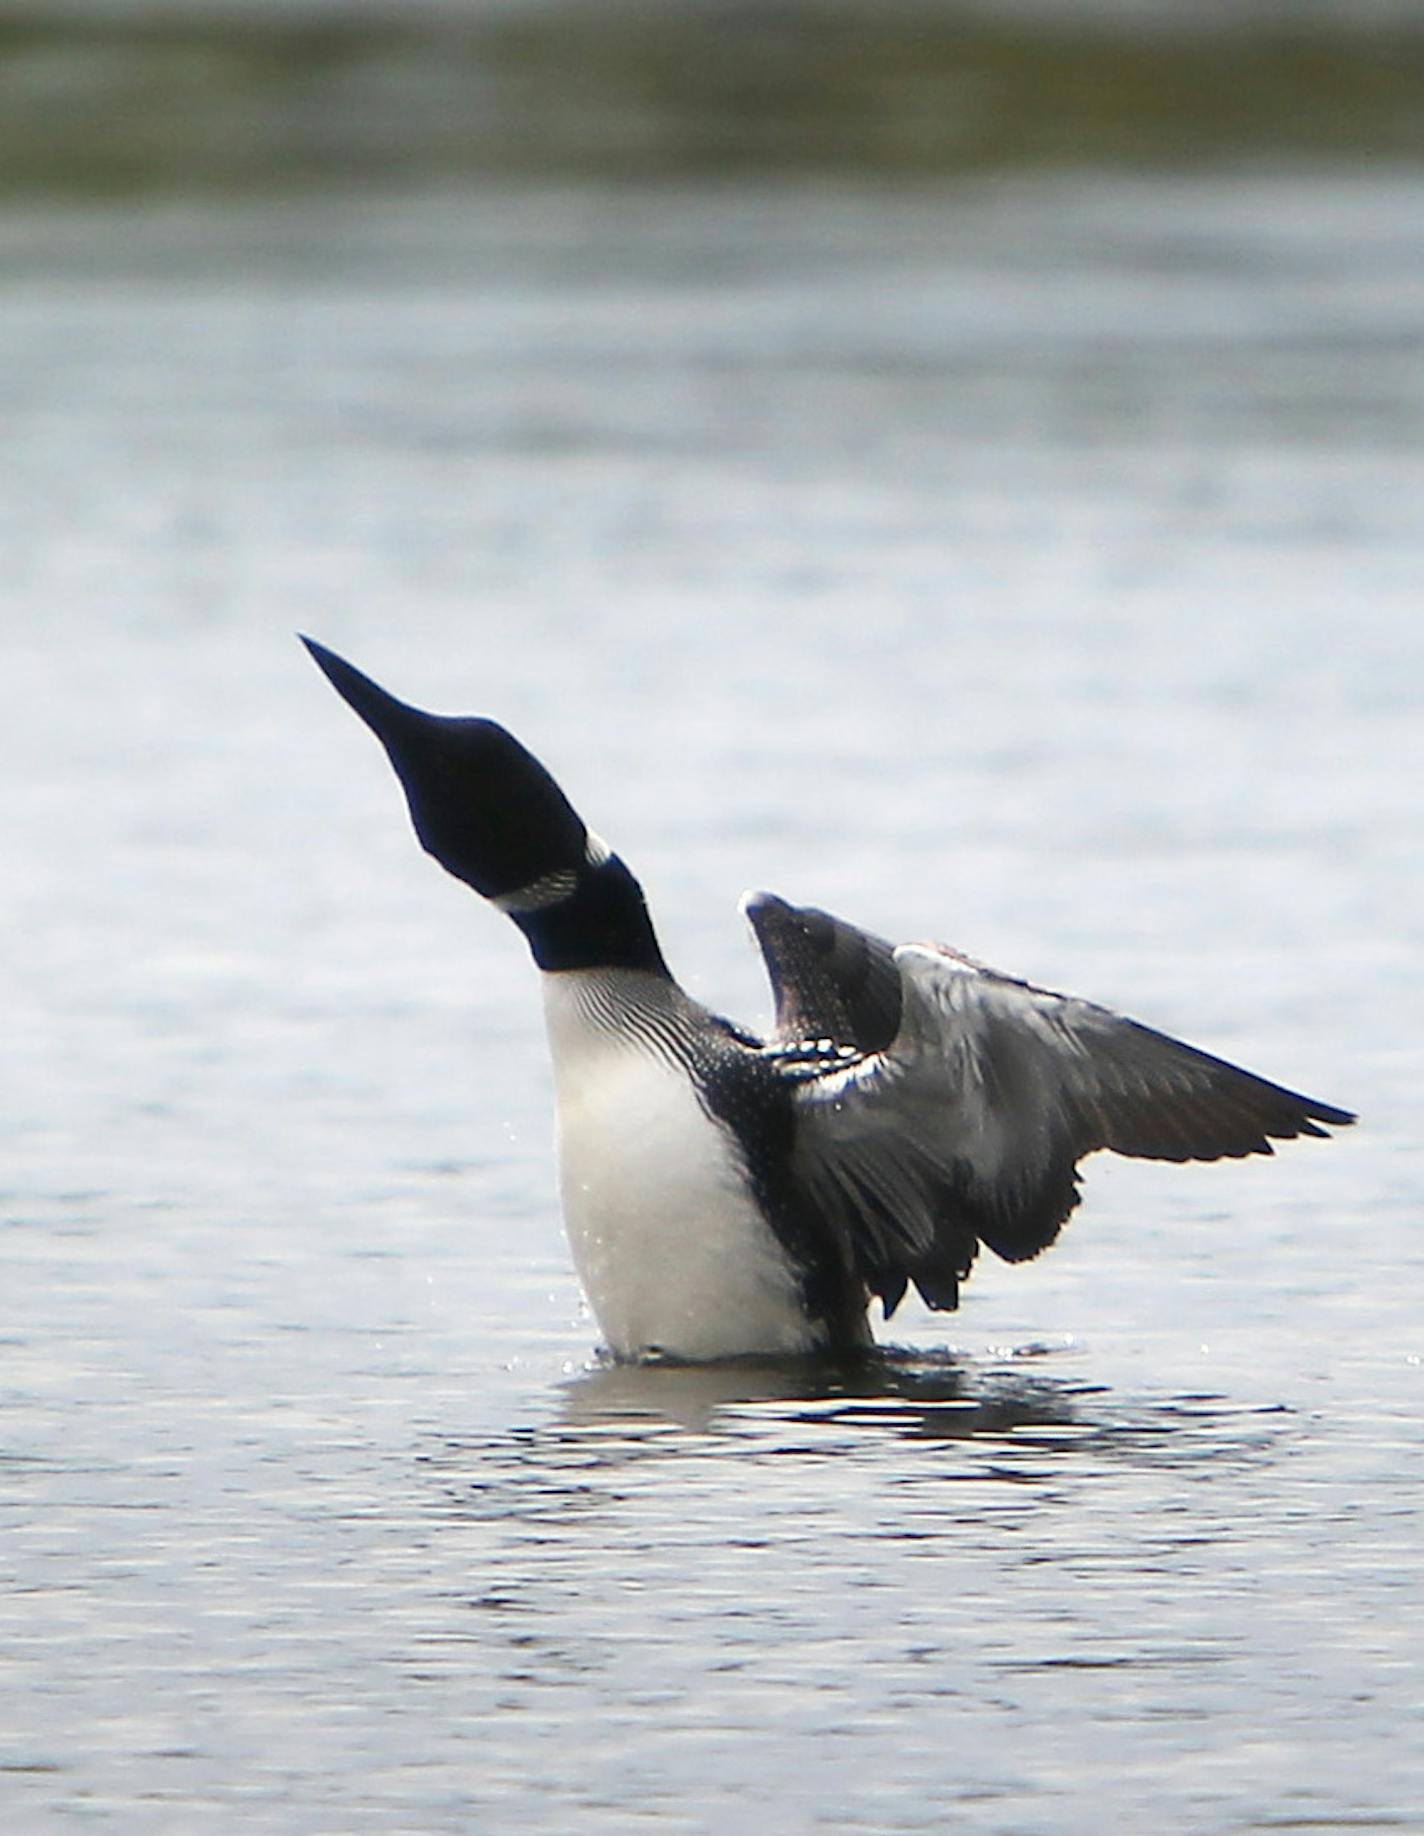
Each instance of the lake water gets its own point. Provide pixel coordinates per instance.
(1033, 563)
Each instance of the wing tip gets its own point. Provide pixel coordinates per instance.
(755, 902)
(1327, 1112)
(1307, 1117)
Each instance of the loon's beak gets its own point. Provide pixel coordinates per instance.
(420, 749)
(390, 720)
(481, 803)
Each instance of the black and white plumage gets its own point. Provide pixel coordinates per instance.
(727, 1195)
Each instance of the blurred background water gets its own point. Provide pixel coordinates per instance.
(957, 465)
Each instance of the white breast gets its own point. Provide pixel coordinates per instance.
(672, 1251)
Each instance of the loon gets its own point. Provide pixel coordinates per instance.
(727, 1195)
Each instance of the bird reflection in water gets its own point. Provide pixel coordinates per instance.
(919, 1395)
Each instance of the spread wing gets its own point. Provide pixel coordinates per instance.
(967, 1126)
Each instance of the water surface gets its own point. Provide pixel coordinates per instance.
(1035, 565)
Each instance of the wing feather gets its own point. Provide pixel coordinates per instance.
(829, 979)
(968, 1123)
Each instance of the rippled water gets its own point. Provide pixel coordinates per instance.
(1036, 565)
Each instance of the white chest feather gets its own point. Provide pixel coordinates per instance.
(671, 1249)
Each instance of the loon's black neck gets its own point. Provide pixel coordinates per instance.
(602, 923)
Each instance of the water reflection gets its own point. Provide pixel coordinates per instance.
(903, 1419)
(925, 1395)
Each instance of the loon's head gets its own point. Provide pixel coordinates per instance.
(491, 814)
